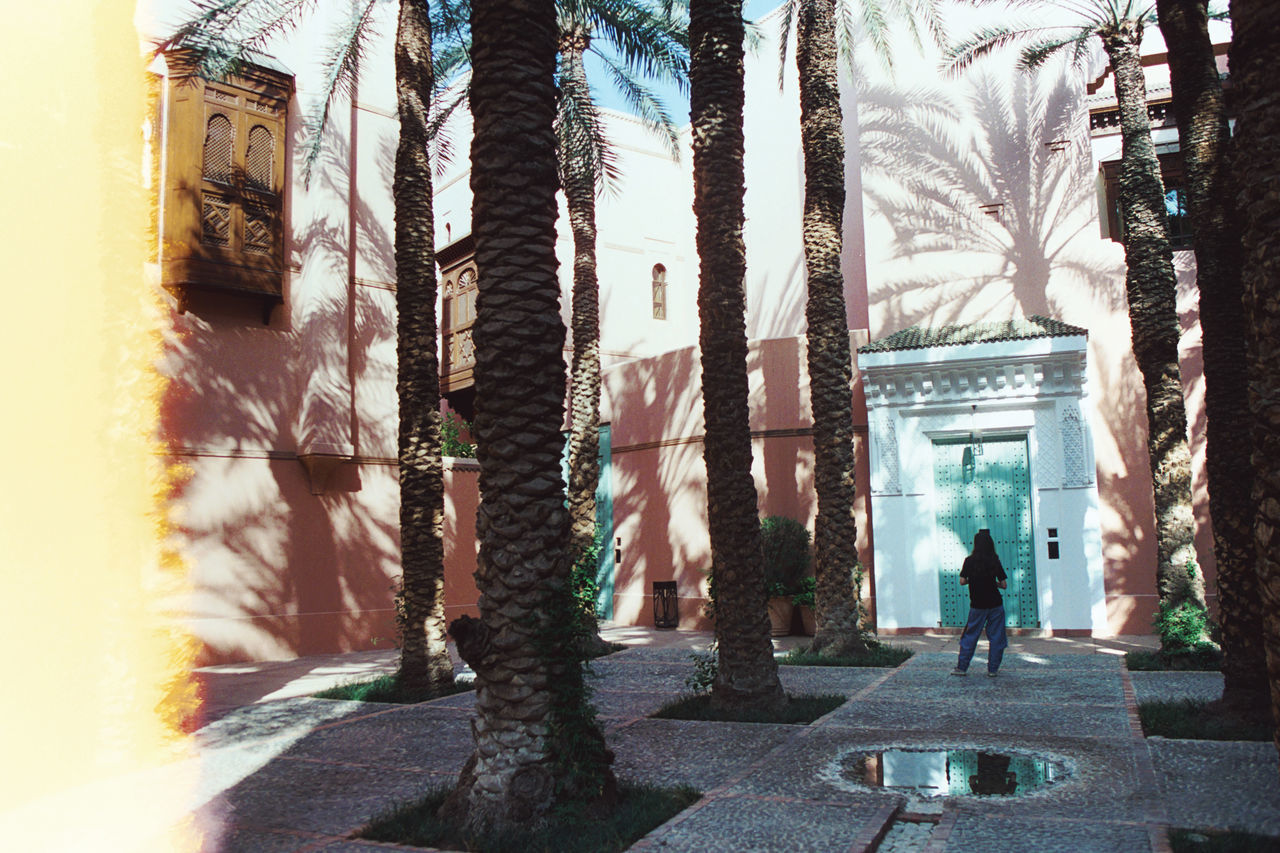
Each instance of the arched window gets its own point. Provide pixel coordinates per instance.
(218, 138)
(259, 158)
(659, 292)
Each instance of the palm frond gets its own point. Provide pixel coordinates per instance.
(444, 107)
(654, 45)
(647, 106)
(580, 139)
(223, 35)
(875, 26)
(984, 42)
(1036, 54)
(346, 48)
(789, 10)
(929, 14)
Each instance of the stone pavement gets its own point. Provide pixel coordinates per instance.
(285, 772)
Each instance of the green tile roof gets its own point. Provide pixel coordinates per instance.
(1020, 328)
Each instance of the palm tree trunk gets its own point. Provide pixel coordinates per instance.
(1205, 139)
(1153, 317)
(748, 674)
(527, 677)
(584, 437)
(424, 655)
(830, 368)
(1256, 153)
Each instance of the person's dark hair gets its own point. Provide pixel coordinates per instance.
(983, 544)
(984, 551)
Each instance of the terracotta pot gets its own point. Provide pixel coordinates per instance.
(780, 612)
(808, 620)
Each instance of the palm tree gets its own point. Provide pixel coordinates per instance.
(632, 39)
(222, 36)
(1205, 140)
(424, 656)
(822, 29)
(747, 674)
(1149, 281)
(533, 748)
(1256, 153)
(650, 41)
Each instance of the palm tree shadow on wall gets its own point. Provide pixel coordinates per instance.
(990, 204)
(275, 570)
(980, 182)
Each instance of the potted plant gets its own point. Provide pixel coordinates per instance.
(803, 601)
(785, 543)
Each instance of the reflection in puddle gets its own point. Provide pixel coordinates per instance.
(952, 772)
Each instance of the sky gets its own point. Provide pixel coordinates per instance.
(677, 104)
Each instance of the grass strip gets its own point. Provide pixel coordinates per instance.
(1194, 841)
(1207, 660)
(386, 688)
(799, 710)
(640, 810)
(877, 654)
(1193, 719)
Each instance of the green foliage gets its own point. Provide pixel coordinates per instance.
(785, 543)
(805, 592)
(451, 444)
(799, 710)
(1184, 626)
(878, 654)
(386, 688)
(1196, 660)
(706, 666)
(582, 578)
(1208, 841)
(710, 607)
(571, 829)
(1197, 720)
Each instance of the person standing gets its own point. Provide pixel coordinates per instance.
(985, 577)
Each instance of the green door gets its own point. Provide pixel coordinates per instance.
(991, 489)
(604, 518)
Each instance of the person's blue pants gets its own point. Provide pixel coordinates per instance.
(992, 620)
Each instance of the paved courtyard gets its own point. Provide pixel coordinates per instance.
(285, 772)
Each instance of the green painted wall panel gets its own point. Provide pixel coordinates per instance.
(604, 518)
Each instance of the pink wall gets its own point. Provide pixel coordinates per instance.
(660, 512)
(461, 500)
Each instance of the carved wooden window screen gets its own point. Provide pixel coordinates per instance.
(240, 202)
(458, 310)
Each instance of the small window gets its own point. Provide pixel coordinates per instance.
(659, 292)
(1175, 200)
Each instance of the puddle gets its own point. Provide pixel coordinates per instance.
(928, 773)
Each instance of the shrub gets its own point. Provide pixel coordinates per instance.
(1183, 627)
(785, 543)
(805, 592)
(452, 426)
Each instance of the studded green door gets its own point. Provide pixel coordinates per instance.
(990, 489)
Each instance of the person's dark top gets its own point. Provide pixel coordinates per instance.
(982, 574)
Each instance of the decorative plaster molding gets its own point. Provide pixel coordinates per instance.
(970, 379)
